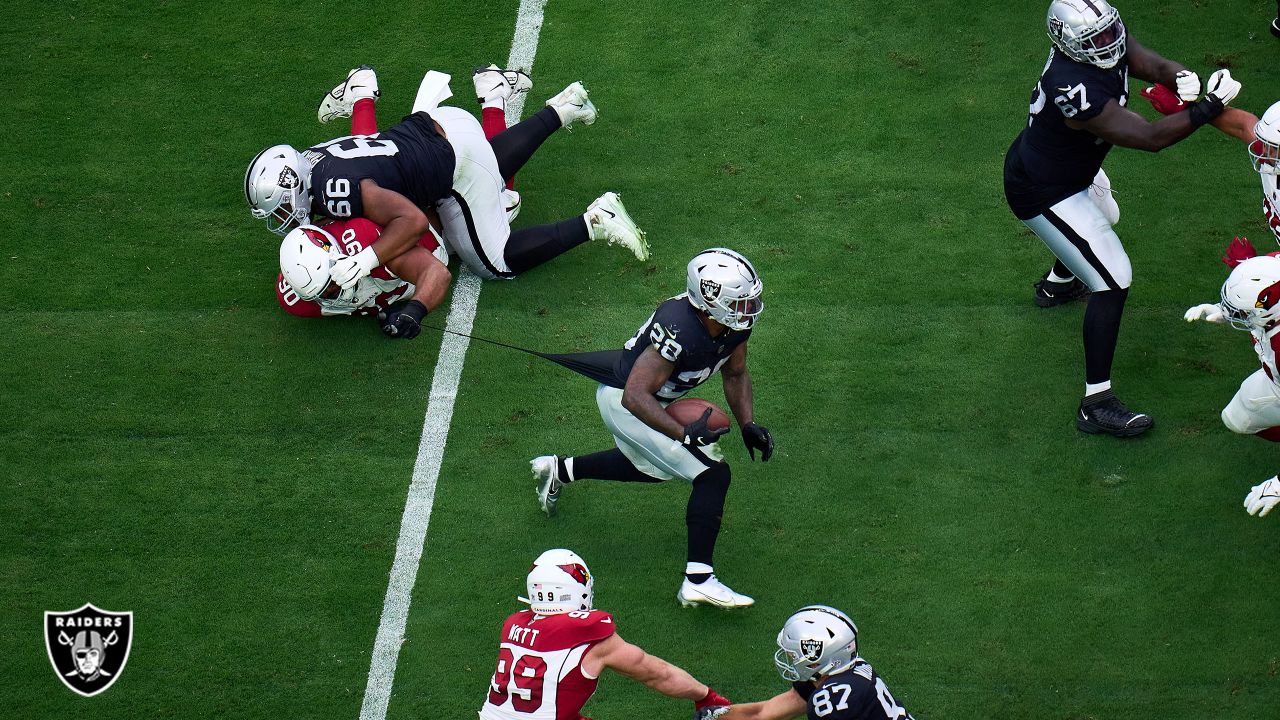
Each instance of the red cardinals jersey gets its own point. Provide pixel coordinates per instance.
(539, 674)
(1267, 344)
(376, 292)
(1271, 203)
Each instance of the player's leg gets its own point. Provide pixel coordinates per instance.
(1255, 408)
(1081, 238)
(1059, 285)
(605, 219)
(517, 144)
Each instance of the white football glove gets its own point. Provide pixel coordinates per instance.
(1263, 497)
(348, 271)
(1188, 85)
(1223, 86)
(1208, 312)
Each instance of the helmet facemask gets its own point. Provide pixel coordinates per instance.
(1265, 156)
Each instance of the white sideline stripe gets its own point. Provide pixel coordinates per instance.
(435, 429)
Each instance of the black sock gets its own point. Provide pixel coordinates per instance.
(1101, 331)
(608, 465)
(514, 146)
(529, 247)
(1063, 271)
(698, 578)
(704, 512)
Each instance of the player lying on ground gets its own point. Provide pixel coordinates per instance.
(687, 340)
(551, 656)
(1077, 114)
(818, 653)
(1251, 302)
(435, 163)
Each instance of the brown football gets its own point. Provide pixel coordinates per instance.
(687, 410)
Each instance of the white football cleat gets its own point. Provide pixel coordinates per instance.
(546, 470)
(511, 204)
(493, 84)
(573, 106)
(608, 220)
(361, 84)
(711, 592)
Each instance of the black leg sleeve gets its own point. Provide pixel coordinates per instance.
(1063, 271)
(515, 145)
(530, 247)
(1101, 331)
(608, 465)
(706, 508)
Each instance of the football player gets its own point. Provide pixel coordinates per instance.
(1077, 114)
(683, 343)
(434, 163)
(818, 653)
(1251, 302)
(551, 656)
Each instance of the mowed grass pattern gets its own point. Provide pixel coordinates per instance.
(175, 445)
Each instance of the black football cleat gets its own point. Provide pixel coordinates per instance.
(1052, 294)
(1275, 27)
(1103, 413)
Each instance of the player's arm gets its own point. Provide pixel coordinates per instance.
(429, 276)
(653, 672)
(402, 223)
(780, 707)
(1120, 126)
(737, 390)
(648, 375)
(1237, 123)
(1148, 65)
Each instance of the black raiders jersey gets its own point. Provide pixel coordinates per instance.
(1049, 160)
(676, 331)
(855, 694)
(410, 158)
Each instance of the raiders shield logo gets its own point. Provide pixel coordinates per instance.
(288, 179)
(812, 649)
(710, 290)
(1055, 28)
(88, 647)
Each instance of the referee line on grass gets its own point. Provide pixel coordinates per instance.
(435, 429)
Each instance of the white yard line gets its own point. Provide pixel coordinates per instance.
(435, 429)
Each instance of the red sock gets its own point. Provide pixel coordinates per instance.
(1271, 433)
(364, 120)
(494, 121)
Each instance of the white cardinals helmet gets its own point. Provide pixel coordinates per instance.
(559, 582)
(1087, 31)
(724, 285)
(1265, 151)
(277, 186)
(1251, 294)
(307, 255)
(816, 641)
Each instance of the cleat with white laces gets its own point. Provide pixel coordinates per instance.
(361, 84)
(546, 470)
(711, 592)
(494, 83)
(573, 106)
(608, 220)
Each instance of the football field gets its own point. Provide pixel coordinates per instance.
(173, 444)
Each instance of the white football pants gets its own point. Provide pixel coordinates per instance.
(474, 217)
(1078, 231)
(1255, 407)
(653, 453)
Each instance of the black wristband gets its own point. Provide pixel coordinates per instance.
(1204, 111)
(415, 310)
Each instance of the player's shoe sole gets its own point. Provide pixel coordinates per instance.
(495, 83)
(361, 83)
(610, 221)
(546, 469)
(1052, 294)
(573, 106)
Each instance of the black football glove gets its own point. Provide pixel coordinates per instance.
(697, 432)
(403, 320)
(758, 438)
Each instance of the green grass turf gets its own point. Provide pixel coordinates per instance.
(172, 444)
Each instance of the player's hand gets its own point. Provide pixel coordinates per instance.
(1188, 85)
(403, 320)
(348, 270)
(697, 433)
(1164, 100)
(711, 706)
(1263, 497)
(1223, 87)
(756, 438)
(1206, 312)
(1238, 251)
